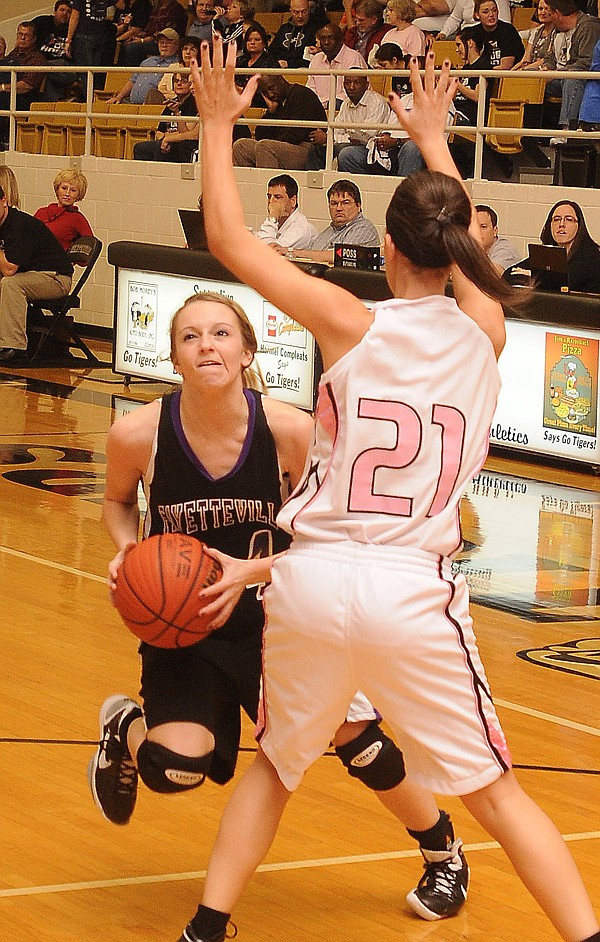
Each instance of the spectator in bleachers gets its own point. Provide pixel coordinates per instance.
(348, 224)
(539, 51)
(386, 153)
(201, 24)
(573, 50)
(368, 30)
(400, 16)
(51, 33)
(462, 16)
(470, 47)
(333, 55)
(389, 56)
(90, 33)
(167, 14)
(432, 15)
(28, 84)
(10, 187)
(500, 251)
(176, 141)
(131, 19)
(502, 44)
(255, 55)
(293, 41)
(63, 218)
(589, 113)
(361, 106)
(284, 148)
(138, 87)
(190, 49)
(285, 227)
(233, 24)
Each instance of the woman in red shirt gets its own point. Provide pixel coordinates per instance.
(63, 217)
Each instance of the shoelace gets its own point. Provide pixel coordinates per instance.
(127, 776)
(442, 876)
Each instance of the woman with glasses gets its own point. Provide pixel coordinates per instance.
(565, 226)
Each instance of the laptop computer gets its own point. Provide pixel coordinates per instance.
(192, 223)
(549, 267)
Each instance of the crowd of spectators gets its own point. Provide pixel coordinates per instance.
(371, 34)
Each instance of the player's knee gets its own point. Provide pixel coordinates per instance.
(165, 771)
(374, 758)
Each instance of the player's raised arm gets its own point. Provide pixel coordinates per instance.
(426, 123)
(336, 318)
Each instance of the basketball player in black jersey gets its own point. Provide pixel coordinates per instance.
(213, 457)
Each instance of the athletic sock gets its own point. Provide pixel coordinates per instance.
(592, 938)
(439, 837)
(208, 922)
(126, 723)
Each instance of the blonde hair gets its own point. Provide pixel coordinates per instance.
(405, 10)
(73, 178)
(252, 376)
(9, 184)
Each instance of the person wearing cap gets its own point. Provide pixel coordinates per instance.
(167, 14)
(136, 89)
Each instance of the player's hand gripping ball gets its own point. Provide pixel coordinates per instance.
(157, 589)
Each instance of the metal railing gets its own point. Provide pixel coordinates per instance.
(479, 130)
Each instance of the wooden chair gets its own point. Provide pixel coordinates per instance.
(521, 18)
(141, 130)
(446, 49)
(30, 129)
(50, 327)
(113, 83)
(298, 78)
(380, 82)
(54, 133)
(109, 133)
(507, 109)
(271, 21)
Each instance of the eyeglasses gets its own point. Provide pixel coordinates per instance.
(556, 220)
(335, 203)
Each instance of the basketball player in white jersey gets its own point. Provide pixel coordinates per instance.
(365, 598)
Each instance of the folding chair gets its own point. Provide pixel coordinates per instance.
(49, 325)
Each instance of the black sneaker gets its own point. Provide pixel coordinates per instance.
(189, 934)
(112, 773)
(442, 890)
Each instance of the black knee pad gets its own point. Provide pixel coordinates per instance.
(165, 771)
(373, 758)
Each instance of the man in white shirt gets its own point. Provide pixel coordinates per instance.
(285, 227)
(501, 252)
(334, 55)
(363, 106)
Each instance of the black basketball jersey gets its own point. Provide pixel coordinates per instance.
(235, 514)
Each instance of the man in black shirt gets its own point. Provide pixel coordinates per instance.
(51, 32)
(292, 39)
(33, 265)
(285, 147)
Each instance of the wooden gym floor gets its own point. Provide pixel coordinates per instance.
(340, 866)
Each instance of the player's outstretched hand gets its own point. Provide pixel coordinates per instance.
(426, 121)
(217, 97)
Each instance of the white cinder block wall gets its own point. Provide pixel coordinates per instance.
(137, 201)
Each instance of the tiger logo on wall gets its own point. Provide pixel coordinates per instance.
(575, 657)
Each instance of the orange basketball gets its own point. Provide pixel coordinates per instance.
(157, 589)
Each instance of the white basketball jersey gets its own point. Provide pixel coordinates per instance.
(402, 426)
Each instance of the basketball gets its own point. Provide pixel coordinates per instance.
(157, 589)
